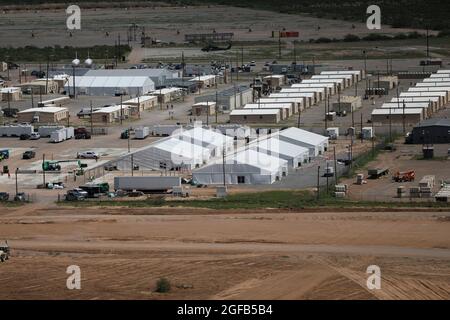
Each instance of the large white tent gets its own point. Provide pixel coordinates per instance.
(244, 167)
(172, 153)
(109, 86)
(316, 143)
(295, 155)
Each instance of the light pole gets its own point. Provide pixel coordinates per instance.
(75, 63)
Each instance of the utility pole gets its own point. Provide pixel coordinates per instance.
(390, 125)
(335, 165)
(279, 44)
(92, 124)
(17, 185)
(121, 110)
(223, 165)
(207, 113)
(326, 115)
(428, 45)
(318, 182)
(129, 134)
(373, 142)
(362, 128)
(216, 107)
(46, 76)
(43, 170)
(132, 165)
(299, 116)
(403, 118)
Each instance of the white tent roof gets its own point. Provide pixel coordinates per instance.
(433, 84)
(303, 135)
(441, 79)
(109, 82)
(183, 149)
(257, 159)
(110, 109)
(415, 99)
(203, 78)
(440, 75)
(211, 137)
(280, 147)
(341, 72)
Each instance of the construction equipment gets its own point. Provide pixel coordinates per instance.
(4, 154)
(4, 252)
(404, 176)
(54, 165)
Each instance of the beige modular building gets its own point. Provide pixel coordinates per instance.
(204, 108)
(111, 114)
(338, 84)
(358, 75)
(444, 90)
(255, 116)
(442, 96)
(310, 97)
(432, 101)
(275, 80)
(10, 94)
(298, 103)
(347, 104)
(385, 116)
(428, 111)
(38, 86)
(386, 82)
(61, 80)
(347, 78)
(43, 115)
(167, 95)
(286, 108)
(319, 93)
(330, 87)
(206, 81)
(141, 103)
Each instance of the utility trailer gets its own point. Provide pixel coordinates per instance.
(376, 173)
(146, 184)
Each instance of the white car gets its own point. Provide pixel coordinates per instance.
(35, 136)
(87, 155)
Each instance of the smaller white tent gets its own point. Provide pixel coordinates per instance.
(295, 155)
(316, 143)
(244, 167)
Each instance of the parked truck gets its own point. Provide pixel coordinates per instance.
(82, 133)
(376, 173)
(62, 134)
(146, 184)
(141, 132)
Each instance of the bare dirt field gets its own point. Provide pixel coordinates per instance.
(49, 26)
(224, 254)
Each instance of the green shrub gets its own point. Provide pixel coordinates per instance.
(162, 285)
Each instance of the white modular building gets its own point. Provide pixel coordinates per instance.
(295, 155)
(315, 143)
(433, 101)
(309, 96)
(358, 74)
(244, 167)
(213, 140)
(319, 93)
(347, 78)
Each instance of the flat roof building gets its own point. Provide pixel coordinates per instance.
(111, 114)
(43, 115)
(229, 99)
(347, 104)
(255, 116)
(409, 116)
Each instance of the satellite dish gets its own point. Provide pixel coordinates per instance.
(88, 62)
(75, 62)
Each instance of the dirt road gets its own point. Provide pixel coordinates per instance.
(225, 255)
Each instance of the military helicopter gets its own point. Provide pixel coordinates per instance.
(212, 47)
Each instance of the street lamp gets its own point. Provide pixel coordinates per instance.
(75, 63)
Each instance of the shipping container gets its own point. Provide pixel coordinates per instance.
(141, 133)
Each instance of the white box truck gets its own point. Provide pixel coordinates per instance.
(141, 132)
(58, 135)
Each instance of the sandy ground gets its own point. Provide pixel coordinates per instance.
(49, 26)
(225, 255)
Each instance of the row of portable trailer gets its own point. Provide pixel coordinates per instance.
(291, 100)
(418, 103)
